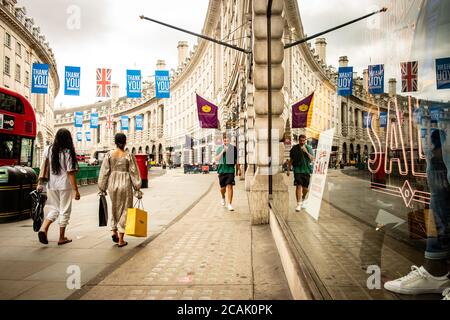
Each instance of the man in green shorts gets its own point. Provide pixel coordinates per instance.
(226, 156)
(301, 157)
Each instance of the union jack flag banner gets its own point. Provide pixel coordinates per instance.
(103, 82)
(409, 76)
(109, 122)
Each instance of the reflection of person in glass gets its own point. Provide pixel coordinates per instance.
(433, 276)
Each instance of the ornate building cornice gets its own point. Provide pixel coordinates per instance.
(212, 17)
(293, 17)
(44, 53)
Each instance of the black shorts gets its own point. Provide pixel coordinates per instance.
(302, 179)
(226, 179)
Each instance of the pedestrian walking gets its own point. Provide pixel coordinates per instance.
(226, 156)
(60, 167)
(301, 157)
(118, 176)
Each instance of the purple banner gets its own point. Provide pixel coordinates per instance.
(207, 114)
(302, 112)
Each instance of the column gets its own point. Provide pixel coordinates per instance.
(132, 126)
(242, 142)
(258, 195)
(160, 121)
(146, 126)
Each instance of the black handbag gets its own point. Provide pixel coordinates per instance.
(37, 210)
(102, 211)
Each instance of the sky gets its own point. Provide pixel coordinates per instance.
(109, 33)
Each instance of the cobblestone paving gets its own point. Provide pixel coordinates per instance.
(206, 255)
(31, 270)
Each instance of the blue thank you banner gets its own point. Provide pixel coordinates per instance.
(94, 120)
(383, 119)
(443, 73)
(162, 83)
(345, 81)
(134, 84)
(376, 79)
(78, 119)
(39, 82)
(124, 123)
(367, 120)
(139, 123)
(72, 77)
(436, 114)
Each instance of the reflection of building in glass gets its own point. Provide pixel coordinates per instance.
(397, 28)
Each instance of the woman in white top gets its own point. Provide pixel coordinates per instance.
(61, 163)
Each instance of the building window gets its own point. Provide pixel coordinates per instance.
(27, 78)
(7, 65)
(18, 72)
(8, 40)
(19, 49)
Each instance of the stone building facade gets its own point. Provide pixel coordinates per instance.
(22, 45)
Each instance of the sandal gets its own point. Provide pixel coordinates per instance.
(122, 245)
(60, 243)
(115, 238)
(42, 237)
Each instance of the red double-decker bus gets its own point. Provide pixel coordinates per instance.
(17, 129)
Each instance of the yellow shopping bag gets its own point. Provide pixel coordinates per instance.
(136, 224)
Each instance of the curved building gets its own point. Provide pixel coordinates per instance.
(150, 140)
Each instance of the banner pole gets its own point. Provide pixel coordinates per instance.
(196, 34)
(289, 45)
(269, 85)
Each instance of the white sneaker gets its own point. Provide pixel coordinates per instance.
(418, 281)
(304, 204)
(299, 207)
(446, 294)
(223, 202)
(230, 207)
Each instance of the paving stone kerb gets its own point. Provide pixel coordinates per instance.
(31, 270)
(210, 253)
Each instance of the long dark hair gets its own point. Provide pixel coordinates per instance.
(437, 137)
(120, 140)
(63, 141)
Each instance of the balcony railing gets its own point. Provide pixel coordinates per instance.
(344, 130)
(358, 132)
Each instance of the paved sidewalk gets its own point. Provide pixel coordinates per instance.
(30, 270)
(210, 253)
